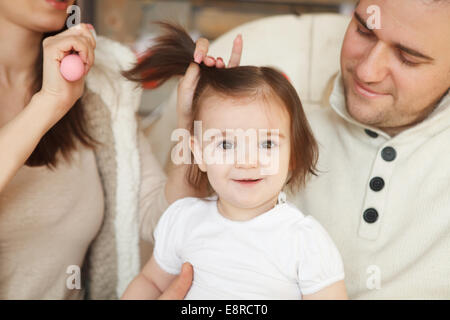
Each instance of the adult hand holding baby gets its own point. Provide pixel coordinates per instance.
(178, 289)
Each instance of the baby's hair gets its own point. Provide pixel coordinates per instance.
(171, 55)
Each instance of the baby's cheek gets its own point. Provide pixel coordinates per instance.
(217, 175)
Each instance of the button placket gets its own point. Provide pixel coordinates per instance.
(371, 215)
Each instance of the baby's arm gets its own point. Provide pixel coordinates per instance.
(335, 291)
(150, 283)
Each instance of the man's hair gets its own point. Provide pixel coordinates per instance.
(172, 54)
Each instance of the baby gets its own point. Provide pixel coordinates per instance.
(251, 142)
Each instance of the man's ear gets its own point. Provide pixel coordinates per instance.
(196, 150)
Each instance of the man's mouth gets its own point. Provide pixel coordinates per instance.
(366, 92)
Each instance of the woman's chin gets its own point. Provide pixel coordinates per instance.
(52, 25)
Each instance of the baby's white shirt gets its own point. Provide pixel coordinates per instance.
(280, 254)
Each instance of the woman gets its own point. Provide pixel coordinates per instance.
(90, 184)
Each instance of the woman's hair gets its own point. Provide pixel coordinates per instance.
(63, 135)
(172, 54)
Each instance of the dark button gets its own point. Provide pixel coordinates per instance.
(376, 184)
(370, 215)
(388, 154)
(371, 133)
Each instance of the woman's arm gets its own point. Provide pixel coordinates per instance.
(336, 291)
(20, 136)
(177, 185)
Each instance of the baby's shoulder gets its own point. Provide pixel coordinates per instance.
(188, 208)
(292, 214)
(300, 224)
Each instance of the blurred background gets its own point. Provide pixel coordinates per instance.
(130, 22)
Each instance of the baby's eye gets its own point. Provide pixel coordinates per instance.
(226, 145)
(269, 144)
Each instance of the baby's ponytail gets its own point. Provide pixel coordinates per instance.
(169, 56)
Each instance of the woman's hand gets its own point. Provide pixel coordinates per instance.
(21, 135)
(188, 83)
(201, 51)
(56, 91)
(177, 187)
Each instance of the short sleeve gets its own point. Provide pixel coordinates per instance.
(167, 237)
(320, 263)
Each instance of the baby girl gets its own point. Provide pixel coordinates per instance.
(245, 241)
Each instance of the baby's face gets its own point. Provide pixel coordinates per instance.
(245, 157)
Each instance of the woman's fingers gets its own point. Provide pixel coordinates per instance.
(219, 63)
(84, 30)
(190, 78)
(186, 89)
(178, 289)
(60, 47)
(236, 52)
(85, 33)
(201, 49)
(209, 61)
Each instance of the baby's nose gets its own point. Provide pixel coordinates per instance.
(247, 157)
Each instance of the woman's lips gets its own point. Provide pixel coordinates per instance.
(59, 5)
(367, 92)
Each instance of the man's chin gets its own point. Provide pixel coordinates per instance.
(362, 112)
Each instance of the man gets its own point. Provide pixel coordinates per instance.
(383, 192)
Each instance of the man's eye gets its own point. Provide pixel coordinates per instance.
(406, 61)
(226, 145)
(269, 144)
(363, 33)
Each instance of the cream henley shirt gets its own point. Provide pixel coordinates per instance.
(385, 201)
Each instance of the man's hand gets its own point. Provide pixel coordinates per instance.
(181, 285)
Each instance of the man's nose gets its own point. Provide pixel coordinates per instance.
(374, 67)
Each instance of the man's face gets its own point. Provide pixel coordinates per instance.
(394, 76)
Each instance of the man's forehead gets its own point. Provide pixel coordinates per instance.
(412, 24)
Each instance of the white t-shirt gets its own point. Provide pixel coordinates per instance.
(280, 254)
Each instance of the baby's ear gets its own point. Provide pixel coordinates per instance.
(196, 150)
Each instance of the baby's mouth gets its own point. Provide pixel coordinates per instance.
(247, 181)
